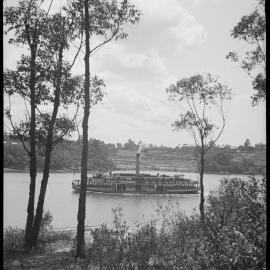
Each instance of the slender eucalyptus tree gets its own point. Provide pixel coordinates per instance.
(81, 210)
(26, 22)
(55, 85)
(103, 19)
(201, 99)
(58, 38)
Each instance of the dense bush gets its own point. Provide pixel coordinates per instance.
(14, 237)
(65, 155)
(233, 235)
(225, 162)
(236, 223)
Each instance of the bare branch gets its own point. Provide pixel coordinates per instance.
(77, 127)
(221, 130)
(72, 121)
(24, 99)
(196, 141)
(107, 40)
(195, 115)
(195, 108)
(16, 130)
(79, 49)
(261, 50)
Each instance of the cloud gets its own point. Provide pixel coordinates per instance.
(120, 64)
(199, 2)
(168, 24)
(134, 108)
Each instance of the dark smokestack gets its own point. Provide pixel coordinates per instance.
(138, 163)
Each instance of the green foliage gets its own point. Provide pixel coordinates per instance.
(66, 155)
(236, 219)
(251, 29)
(233, 235)
(107, 18)
(130, 145)
(107, 246)
(47, 234)
(14, 237)
(24, 20)
(46, 220)
(198, 95)
(15, 156)
(247, 143)
(224, 161)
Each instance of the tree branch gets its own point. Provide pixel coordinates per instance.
(16, 130)
(195, 140)
(260, 48)
(26, 107)
(65, 133)
(107, 40)
(77, 127)
(79, 49)
(223, 125)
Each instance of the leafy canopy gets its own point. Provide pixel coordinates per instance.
(198, 95)
(251, 29)
(107, 19)
(28, 22)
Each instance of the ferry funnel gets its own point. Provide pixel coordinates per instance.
(138, 163)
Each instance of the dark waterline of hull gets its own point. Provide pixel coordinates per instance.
(188, 191)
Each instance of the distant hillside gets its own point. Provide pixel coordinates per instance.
(65, 156)
(102, 156)
(156, 159)
(187, 159)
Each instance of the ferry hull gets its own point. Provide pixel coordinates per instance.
(124, 183)
(111, 191)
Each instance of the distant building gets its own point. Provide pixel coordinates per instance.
(226, 146)
(260, 146)
(187, 146)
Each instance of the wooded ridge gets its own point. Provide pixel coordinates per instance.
(104, 156)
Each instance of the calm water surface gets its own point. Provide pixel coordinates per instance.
(62, 201)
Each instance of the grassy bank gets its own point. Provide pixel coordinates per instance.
(218, 160)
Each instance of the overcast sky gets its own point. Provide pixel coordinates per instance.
(174, 39)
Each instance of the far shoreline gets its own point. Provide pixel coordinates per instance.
(13, 170)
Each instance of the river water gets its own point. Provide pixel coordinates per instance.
(62, 201)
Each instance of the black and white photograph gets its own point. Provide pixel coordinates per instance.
(134, 134)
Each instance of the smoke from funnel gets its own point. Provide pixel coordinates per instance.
(141, 147)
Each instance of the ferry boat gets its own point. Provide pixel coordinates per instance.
(138, 183)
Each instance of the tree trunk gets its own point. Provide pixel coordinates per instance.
(32, 186)
(48, 151)
(80, 252)
(202, 187)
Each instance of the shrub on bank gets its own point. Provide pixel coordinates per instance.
(47, 234)
(14, 237)
(233, 235)
(235, 224)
